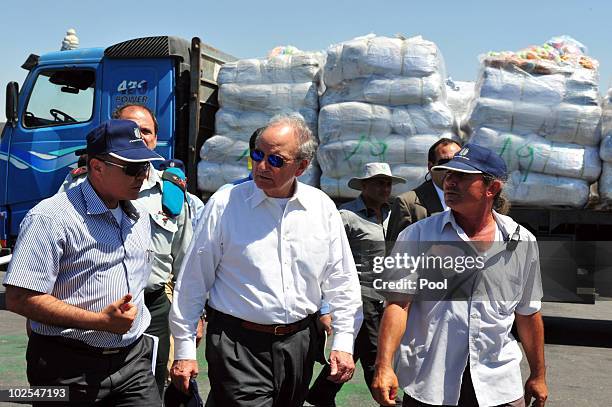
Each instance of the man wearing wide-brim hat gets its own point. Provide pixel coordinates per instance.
(365, 221)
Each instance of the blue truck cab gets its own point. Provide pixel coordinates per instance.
(68, 93)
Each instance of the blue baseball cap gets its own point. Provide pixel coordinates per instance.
(172, 163)
(120, 139)
(475, 159)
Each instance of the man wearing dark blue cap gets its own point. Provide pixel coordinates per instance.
(172, 223)
(79, 270)
(455, 345)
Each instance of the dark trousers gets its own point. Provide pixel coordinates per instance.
(250, 368)
(159, 306)
(93, 378)
(467, 396)
(323, 392)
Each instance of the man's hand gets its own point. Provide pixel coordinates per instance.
(199, 332)
(180, 373)
(119, 316)
(325, 323)
(384, 385)
(535, 387)
(342, 366)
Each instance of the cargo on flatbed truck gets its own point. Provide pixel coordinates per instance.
(68, 93)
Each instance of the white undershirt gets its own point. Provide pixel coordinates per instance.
(117, 213)
(281, 202)
(441, 197)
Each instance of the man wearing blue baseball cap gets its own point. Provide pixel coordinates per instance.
(173, 220)
(455, 345)
(78, 273)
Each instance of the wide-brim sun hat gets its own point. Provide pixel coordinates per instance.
(375, 170)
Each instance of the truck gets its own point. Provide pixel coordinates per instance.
(68, 93)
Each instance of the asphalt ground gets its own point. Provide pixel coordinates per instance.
(578, 357)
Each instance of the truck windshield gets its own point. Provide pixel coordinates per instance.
(60, 97)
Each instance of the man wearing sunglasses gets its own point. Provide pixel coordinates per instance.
(170, 232)
(268, 252)
(455, 345)
(427, 198)
(79, 270)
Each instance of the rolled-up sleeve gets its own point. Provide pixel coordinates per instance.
(531, 300)
(341, 288)
(195, 279)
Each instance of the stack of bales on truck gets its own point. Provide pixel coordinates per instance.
(251, 92)
(605, 151)
(384, 101)
(539, 109)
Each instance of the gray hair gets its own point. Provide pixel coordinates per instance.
(306, 140)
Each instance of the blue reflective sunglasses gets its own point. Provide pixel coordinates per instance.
(274, 160)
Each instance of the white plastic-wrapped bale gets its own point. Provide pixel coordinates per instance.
(265, 97)
(532, 153)
(536, 189)
(605, 182)
(518, 86)
(305, 67)
(348, 156)
(251, 92)
(371, 55)
(241, 123)
(605, 150)
(459, 96)
(384, 101)
(387, 91)
(564, 122)
(355, 120)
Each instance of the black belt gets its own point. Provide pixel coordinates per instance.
(74, 343)
(212, 315)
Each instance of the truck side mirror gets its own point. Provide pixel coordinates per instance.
(12, 100)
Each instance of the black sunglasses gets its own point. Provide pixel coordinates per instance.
(443, 161)
(131, 169)
(274, 160)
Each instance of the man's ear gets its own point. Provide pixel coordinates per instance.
(95, 166)
(494, 187)
(303, 166)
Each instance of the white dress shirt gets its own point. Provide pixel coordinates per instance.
(442, 337)
(440, 193)
(263, 264)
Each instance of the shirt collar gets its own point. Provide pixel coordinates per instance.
(299, 195)
(505, 223)
(358, 205)
(440, 193)
(95, 206)
(153, 179)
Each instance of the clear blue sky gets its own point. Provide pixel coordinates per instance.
(463, 29)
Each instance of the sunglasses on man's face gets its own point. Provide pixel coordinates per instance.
(274, 160)
(132, 169)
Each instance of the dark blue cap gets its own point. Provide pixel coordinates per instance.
(174, 398)
(475, 159)
(173, 163)
(120, 139)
